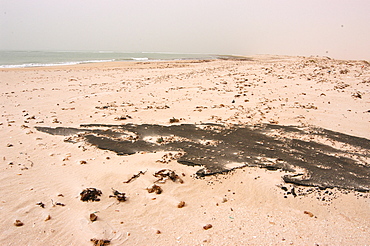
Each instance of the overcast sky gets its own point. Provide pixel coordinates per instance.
(335, 28)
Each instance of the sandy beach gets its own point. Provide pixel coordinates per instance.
(43, 175)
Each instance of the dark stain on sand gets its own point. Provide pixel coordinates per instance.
(311, 156)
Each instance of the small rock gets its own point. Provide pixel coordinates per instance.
(208, 226)
(48, 218)
(93, 217)
(181, 204)
(18, 223)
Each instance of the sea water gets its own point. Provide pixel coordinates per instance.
(9, 59)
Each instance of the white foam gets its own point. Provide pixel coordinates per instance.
(140, 58)
(53, 64)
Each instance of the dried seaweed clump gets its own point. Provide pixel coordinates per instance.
(174, 120)
(155, 188)
(90, 194)
(165, 174)
(120, 196)
(100, 242)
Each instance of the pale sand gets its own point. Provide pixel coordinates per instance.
(37, 167)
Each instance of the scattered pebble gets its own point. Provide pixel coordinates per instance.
(208, 226)
(93, 217)
(48, 218)
(181, 204)
(18, 223)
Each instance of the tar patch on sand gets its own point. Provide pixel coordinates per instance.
(314, 156)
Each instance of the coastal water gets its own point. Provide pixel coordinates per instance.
(10, 59)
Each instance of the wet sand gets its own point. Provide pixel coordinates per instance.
(294, 184)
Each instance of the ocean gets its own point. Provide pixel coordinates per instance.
(14, 59)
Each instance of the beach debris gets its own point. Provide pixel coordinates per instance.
(181, 204)
(309, 213)
(357, 94)
(135, 176)
(82, 162)
(9, 145)
(169, 157)
(41, 204)
(47, 218)
(344, 71)
(123, 117)
(56, 121)
(90, 194)
(208, 226)
(165, 174)
(155, 188)
(60, 204)
(18, 223)
(292, 191)
(174, 120)
(100, 242)
(288, 191)
(158, 232)
(93, 217)
(120, 196)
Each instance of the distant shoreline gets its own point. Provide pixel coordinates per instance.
(20, 59)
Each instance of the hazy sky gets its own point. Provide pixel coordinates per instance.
(246, 27)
